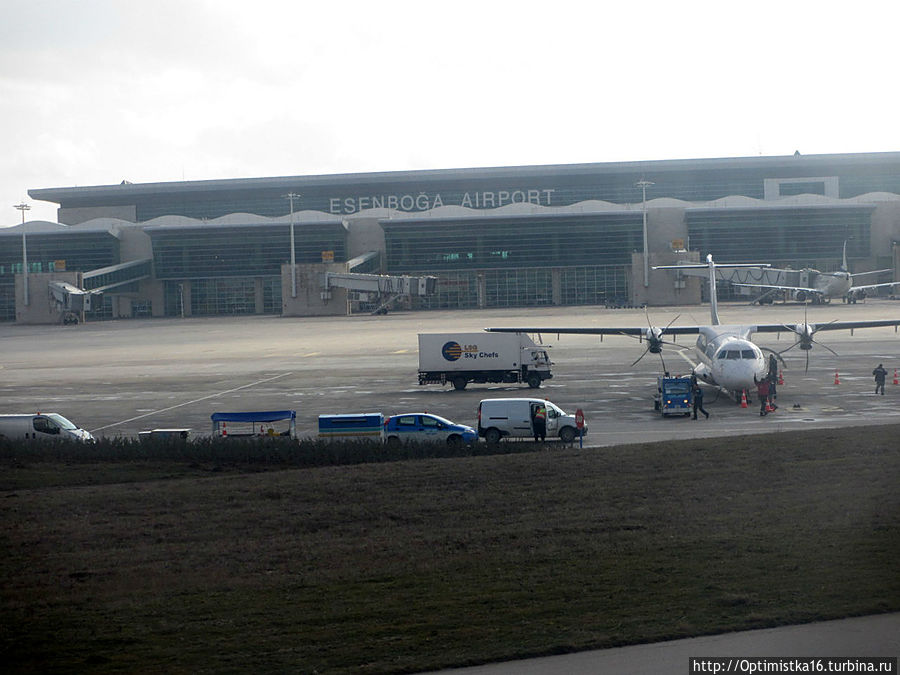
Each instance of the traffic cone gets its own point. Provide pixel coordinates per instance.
(896, 381)
(837, 380)
(769, 407)
(744, 398)
(780, 377)
(224, 429)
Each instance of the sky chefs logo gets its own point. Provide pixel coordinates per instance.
(451, 351)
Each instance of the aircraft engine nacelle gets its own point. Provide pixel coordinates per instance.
(654, 339)
(805, 334)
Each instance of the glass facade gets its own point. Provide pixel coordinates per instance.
(799, 237)
(252, 250)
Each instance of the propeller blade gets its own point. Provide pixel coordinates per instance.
(807, 360)
(788, 349)
(634, 363)
(816, 342)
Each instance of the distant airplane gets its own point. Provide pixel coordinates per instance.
(727, 356)
(825, 286)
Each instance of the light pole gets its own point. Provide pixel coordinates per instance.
(644, 184)
(23, 207)
(292, 196)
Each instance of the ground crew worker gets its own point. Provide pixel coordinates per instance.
(539, 422)
(880, 374)
(762, 390)
(698, 400)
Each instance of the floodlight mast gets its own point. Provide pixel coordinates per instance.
(23, 207)
(292, 196)
(644, 184)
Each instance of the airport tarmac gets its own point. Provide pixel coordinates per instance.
(118, 378)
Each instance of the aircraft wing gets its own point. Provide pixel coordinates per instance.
(630, 330)
(868, 286)
(815, 291)
(832, 325)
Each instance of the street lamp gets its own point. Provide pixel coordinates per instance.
(23, 207)
(644, 184)
(292, 196)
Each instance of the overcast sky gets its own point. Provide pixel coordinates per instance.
(93, 92)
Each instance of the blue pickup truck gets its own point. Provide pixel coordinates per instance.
(428, 428)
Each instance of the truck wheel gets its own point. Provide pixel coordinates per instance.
(567, 434)
(534, 380)
(492, 436)
(393, 442)
(459, 382)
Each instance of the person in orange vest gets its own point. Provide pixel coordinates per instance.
(539, 421)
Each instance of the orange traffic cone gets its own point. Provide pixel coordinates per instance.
(224, 429)
(744, 398)
(780, 377)
(769, 407)
(837, 380)
(896, 381)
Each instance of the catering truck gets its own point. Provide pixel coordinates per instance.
(460, 358)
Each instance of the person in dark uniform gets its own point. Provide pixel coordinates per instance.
(762, 390)
(698, 400)
(880, 374)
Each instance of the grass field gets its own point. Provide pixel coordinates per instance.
(192, 565)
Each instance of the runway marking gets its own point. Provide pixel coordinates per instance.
(312, 354)
(196, 400)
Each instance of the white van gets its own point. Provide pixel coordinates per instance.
(41, 427)
(512, 417)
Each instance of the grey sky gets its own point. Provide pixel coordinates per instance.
(96, 91)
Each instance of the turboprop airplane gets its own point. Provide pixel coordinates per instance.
(825, 286)
(728, 358)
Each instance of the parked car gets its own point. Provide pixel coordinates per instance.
(426, 427)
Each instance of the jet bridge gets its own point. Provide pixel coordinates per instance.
(386, 288)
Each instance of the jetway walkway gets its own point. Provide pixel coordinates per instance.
(386, 289)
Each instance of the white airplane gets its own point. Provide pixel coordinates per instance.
(825, 286)
(727, 356)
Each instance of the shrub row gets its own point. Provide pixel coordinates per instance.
(252, 451)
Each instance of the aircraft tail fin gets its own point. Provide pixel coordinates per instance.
(844, 267)
(713, 294)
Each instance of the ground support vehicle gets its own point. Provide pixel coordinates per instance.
(514, 418)
(41, 427)
(423, 427)
(355, 426)
(460, 358)
(674, 396)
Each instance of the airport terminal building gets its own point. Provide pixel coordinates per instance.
(494, 237)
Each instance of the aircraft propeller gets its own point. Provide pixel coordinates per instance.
(805, 340)
(654, 337)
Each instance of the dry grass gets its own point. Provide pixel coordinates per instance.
(414, 565)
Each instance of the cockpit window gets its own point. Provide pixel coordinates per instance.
(733, 354)
(747, 354)
(723, 354)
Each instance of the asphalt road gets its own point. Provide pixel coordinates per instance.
(118, 378)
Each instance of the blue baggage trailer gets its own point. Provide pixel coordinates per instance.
(353, 426)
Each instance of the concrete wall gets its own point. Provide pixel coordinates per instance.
(309, 300)
(667, 287)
